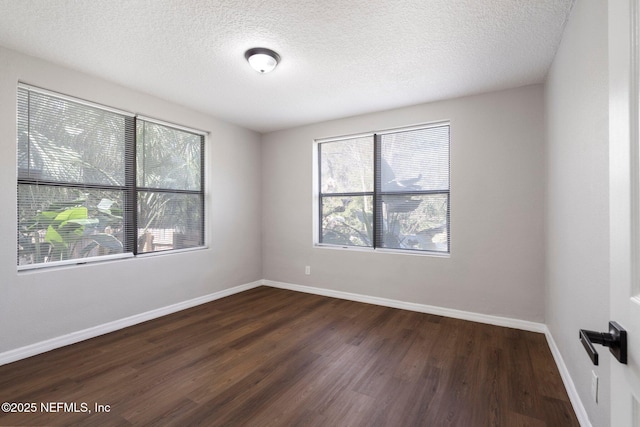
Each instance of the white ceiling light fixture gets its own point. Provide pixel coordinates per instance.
(262, 59)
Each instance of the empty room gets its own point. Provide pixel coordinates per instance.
(367, 213)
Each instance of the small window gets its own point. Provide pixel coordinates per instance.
(94, 182)
(386, 190)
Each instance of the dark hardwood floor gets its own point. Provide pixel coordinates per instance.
(271, 357)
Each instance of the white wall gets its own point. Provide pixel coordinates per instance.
(497, 195)
(577, 214)
(39, 305)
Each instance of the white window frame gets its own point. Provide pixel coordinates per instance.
(132, 252)
(316, 208)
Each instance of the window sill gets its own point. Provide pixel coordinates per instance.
(73, 262)
(171, 252)
(432, 254)
(84, 261)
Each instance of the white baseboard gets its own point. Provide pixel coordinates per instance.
(422, 308)
(576, 402)
(74, 337)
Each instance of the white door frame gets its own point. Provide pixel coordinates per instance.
(624, 211)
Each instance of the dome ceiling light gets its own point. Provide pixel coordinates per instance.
(261, 59)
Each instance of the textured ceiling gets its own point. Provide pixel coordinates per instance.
(339, 58)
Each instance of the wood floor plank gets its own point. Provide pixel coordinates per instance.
(272, 357)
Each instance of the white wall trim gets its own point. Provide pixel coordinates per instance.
(74, 337)
(574, 397)
(422, 308)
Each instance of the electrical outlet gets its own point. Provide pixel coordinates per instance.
(594, 386)
(307, 270)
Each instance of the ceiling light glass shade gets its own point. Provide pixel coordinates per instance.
(262, 59)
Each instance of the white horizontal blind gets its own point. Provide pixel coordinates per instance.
(72, 197)
(412, 188)
(170, 188)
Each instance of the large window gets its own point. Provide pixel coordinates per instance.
(386, 190)
(94, 182)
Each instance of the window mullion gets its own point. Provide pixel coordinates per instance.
(320, 195)
(131, 193)
(377, 185)
(202, 189)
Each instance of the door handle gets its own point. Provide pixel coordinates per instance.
(615, 339)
